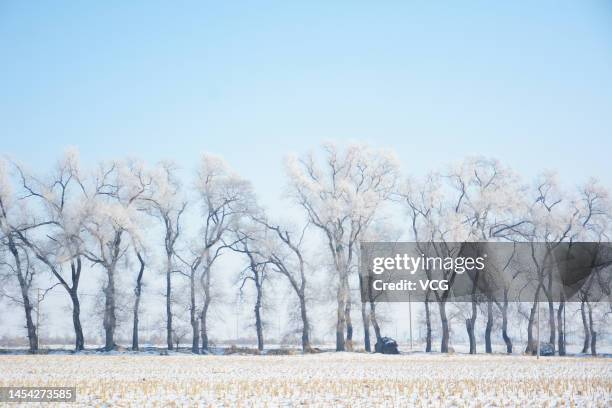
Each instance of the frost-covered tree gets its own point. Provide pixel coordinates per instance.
(16, 266)
(249, 239)
(224, 198)
(15, 261)
(120, 186)
(552, 220)
(283, 249)
(341, 193)
(58, 206)
(435, 217)
(140, 252)
(167, 204)
(192, 262)
(489, 200)
(383, 230)
(593, 224)
(137, 186)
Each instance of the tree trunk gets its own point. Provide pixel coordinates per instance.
(374, 321)
(364, 315)
(195, 336)
(592, 330)
(76, 321)
(445, 329)
(585, 325)
(470, 324)
(341, 322)
(76, 305)
(203, 328)
(193, 319)
(505, 336)
(169, 300)
(349, 323)
(135, 341)
(470, 327)
(489, 327)
(470, 332)
(551, 313)
(25, 296)
(137, 293)
(561, 327)
(306, 347)
(110, 320)
(427, 327)
(551, 324)
(366, 326)
(343, 297)
(110, 317)
(347, 317)
(205, 279)
(32, 334)
(531, 343)
(257, 310)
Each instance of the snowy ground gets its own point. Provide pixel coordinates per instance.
(327, 379)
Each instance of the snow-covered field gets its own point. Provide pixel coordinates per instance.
(328, 379)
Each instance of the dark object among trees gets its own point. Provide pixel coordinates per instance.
(386, 345)
(547, 349)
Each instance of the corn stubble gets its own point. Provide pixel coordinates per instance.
(329, 379)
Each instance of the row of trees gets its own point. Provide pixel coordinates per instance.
(59, 223)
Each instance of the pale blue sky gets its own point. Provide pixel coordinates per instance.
(527, 82)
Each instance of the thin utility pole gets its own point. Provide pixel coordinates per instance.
(410, 316)
(279, 329)
(38, 319)
(237, 316)
(538, 332)
(564, 331)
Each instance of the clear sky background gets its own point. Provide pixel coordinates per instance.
(527, 82)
